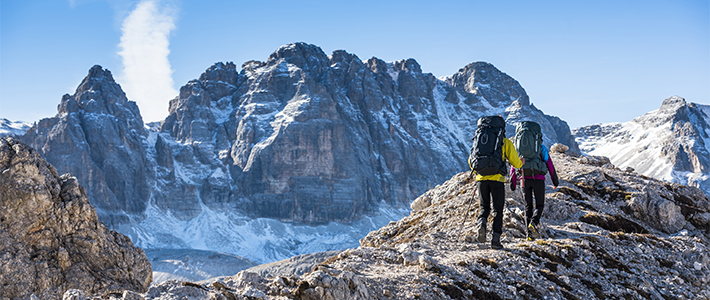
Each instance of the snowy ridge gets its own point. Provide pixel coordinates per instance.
(8, 127)
(671, 143)
(631, 145)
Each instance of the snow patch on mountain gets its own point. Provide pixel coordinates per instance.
(193, 265)
(221, 109)
(631, 145)
(671, 143)
(391, 71)
(8, 127)
(261, 240)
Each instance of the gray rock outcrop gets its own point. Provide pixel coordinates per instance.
(50, 237)
(297, 265)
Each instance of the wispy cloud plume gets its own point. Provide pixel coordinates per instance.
(144, 49)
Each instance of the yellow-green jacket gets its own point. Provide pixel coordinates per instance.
(509, 154)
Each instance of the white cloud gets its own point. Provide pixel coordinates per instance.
(144, 49)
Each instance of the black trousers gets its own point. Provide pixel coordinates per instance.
(491, 190)
(534, 187)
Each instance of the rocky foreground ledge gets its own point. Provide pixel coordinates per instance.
(608, 234)
(50, 238)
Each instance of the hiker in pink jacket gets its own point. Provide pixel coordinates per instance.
(528, 140)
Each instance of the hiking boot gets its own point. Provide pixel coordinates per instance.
(495, 242)
(532, 232)
(481, 236)
(469, 238)
(527, 236)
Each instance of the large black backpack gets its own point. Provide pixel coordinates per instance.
(487, 151)
(528, 142)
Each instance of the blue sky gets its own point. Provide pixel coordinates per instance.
(584, 61)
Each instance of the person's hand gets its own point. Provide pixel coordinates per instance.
(522, 159)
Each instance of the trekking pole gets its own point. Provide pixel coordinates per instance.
(475, 188)
(521, 186)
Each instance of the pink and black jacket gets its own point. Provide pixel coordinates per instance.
(545, 156)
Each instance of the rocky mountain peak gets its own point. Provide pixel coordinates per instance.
(250, 67)
(673, 102)
(378, 66)
(484, 79)
(673, 110)
(407, 65)
(97, 76)
(221, 72)
(308, 57)
(341, 60)
(97, 136)
(203, 104)
(99, 93)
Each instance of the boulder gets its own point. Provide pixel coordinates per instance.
(560, 148)
(50, 237)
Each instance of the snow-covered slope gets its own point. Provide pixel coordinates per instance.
(8, 127)
(671, 143)
(193, 265)
(260, 240)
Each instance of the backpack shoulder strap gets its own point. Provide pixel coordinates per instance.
(544, 154)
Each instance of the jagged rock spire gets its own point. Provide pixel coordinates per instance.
(97, 136)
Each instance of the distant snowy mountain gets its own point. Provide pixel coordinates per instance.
(671, 143)
(247, 158)
(8, 127)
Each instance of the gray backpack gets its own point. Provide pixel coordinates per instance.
(528, 143)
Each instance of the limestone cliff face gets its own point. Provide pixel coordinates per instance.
(50, 237)
(308, 137)
(97, 136)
